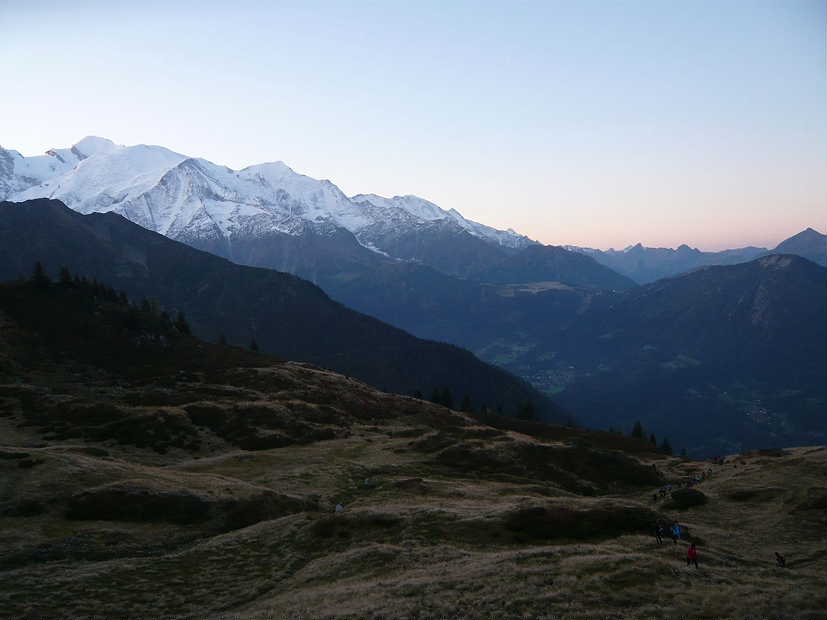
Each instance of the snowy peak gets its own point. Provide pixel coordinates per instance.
(425, 211)
(93, 145)
(416, 206)
(185, 197)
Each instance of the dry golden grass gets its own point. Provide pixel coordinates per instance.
(417, 538)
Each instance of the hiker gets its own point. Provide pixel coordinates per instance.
(659, 534)
(676, 533)
(692, 555)
(780, 560)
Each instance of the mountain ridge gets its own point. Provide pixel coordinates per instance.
(257, 187)
(647, 264)
(286, 315)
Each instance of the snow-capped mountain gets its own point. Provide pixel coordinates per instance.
(193, 199)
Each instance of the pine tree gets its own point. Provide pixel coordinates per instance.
(65, 276)
(637, 430)
(683, 453)
(665, 446)
(653, 440)
(181, 324)
(253, 345)
(39, 277)
(222, 339)
(526, 411)
(436, 396)
(448, 398)
(466, 404)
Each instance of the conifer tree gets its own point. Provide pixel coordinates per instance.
(526, 411)
(448, 398)
(222, 339)
(665, 446)
(466, 404)
(65, 276)
(653, 440)
(637, 430)
(39, 277)
(181, 324)
(253, 345)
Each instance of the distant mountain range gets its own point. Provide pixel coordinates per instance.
(644, 265)
(285, 315)
(186, 197)
(270, 216)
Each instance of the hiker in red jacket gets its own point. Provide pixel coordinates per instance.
(692, 555)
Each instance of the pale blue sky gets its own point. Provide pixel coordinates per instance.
(597, 123)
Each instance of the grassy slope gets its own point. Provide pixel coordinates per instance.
(443, 516)
(439, 547)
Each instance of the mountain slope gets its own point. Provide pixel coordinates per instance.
(809, 243)
(548, 263)
(722, 358)
(285, 315)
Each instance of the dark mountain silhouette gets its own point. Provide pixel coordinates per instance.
(809, 243)
(442, 291)
(548, 263)
(722, 357)
(285, 315)
(644, 265)
(444, 246)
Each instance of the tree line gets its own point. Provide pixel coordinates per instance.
(638, 432)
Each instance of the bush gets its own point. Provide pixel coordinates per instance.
(686, 498)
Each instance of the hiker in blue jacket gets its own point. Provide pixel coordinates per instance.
(676, 533)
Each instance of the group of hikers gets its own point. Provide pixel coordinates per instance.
(675, 532)
(675, 529)
(667, 489)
